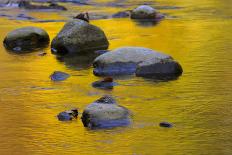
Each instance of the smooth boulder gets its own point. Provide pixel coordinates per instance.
(78, 36)
(105, 113)
(25, 39)
(141, 61)
(144, 12)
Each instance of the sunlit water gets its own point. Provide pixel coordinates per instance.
(197, 34)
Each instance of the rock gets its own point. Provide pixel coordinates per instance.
(165, 124)
(78, 36)
(25, 39)
(68, 115)
(106, 83)
(122, 14)
(130, 60)
(144, 12)
(105, 113)
(59, 76)
(168, 69)
(27, 5)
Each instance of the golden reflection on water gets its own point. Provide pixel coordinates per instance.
(198, 103)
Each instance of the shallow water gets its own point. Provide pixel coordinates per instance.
(196, 33)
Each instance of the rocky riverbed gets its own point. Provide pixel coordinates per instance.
(51, 105)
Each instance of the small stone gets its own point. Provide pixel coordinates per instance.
(68, 115)
(106, 83)
(165, 125)
(59, 76)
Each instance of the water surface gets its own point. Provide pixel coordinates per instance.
(196, 33)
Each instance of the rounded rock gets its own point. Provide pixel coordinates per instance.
(144, 12)
(105, 113)
(78, 36)
(25, 39)
(136, 60)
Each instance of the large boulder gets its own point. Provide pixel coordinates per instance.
(105, 113)
(78, 36)
(26, 38)
(142, 61)
(144, 12)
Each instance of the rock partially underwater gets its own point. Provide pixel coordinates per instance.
(78, 36)
(106, 83)
(26, 39)
(143, 62)
(105, 113)
(146, 12)
(68, 115)
(59, 76)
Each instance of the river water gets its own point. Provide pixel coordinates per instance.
(196, 33)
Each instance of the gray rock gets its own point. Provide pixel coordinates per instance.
(142, 61)
(27, 38)
(122, 14)
(143, 12)
(105, 113)
(78, 36)
(59, 76)
(68, 115)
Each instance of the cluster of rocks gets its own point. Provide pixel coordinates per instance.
(80, 38)
(26, 4)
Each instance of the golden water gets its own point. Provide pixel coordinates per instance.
(198, 103)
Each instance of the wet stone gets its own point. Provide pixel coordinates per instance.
(59, 76)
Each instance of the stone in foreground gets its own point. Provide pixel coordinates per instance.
(68, 115)
(105, 113)
(78, 36)
(26, 39)
(141, 61)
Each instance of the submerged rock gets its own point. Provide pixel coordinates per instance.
(122, 14)
(78, 36)
(106, 83)
(25, 39)
(27, 5)
(105, 113)
(68, 115)
(165, 125)
(141, 61)
(59, 76)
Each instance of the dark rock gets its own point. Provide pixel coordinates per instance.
(105, 113)
(165, 125)
(78, 36)
(106, 83)
(82, 16)
(141, 61)
(27, 5)
(68, 115)
(25, 39)
(59, 76)
(122, 14)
